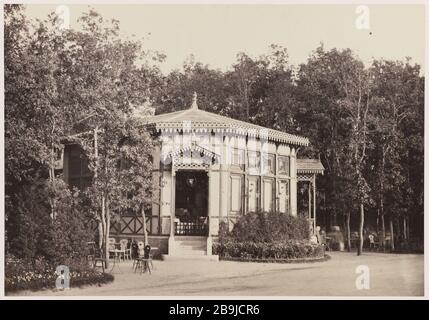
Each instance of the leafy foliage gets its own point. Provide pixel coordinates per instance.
(267, 236)
(40, 274)
(67, 83)
(36, 234)
(270, 227)
(273, 251)
(349, 112)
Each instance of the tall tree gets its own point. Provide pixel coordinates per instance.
(357, 83)
(72, 83)
(397, 91)
(179, 86)
(322, 117)
(107, 81)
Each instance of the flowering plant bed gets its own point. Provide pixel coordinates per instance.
(286, 250)
(268, 237)
(39, 274)
(302, 260)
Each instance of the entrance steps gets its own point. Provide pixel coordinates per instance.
(167, 257)
(188, 248)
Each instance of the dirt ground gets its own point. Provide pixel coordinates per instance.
(389, 275)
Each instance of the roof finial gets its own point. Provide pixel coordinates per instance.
(194, 101)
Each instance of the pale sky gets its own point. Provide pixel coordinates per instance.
(216, 33)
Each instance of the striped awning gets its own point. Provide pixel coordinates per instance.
(314, 166)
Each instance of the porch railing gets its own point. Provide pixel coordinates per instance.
(191, 226)
(128, 225)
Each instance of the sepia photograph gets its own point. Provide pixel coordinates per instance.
(202, 150)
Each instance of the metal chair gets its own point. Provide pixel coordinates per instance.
(144, 261)
(125, 251)
(136, 254)
(99, 257)
(91, 252)
(111, 247)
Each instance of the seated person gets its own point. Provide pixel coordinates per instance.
(182, 213)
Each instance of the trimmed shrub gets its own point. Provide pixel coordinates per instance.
(40, 274)
(38, 242)
(32, 232)
(280, 250)
(267, 236)
(269, 227)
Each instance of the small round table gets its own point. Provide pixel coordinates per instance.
(116, 260)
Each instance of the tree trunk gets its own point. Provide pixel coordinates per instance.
(377, 225)
(146, 240)
(100, 223)
(405, 229)
(52, 181)
(349, 243)
(383, 226)
(52, 171)
(335, 219)
(361, 222)
(100, 234)
(383, 231)
(392, 236)
(104, 227)
(408, 227)
(107, 232)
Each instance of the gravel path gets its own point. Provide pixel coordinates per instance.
(390, 275)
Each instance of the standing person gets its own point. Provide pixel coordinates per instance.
(371, 241)
(134, 250)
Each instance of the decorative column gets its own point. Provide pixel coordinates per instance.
(293, 182)
(172, 210)
(209, 214)
(156, 190)
(314, 203)
(223, 185)
(309, 199)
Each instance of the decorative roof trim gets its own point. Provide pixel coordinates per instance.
(197, 120)
(310, 171)
(192, 148)
(206, 127)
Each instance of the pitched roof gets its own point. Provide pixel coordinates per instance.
(309, 166)
(204, 121)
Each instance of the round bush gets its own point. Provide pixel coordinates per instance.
(270, 226)
(267, 236)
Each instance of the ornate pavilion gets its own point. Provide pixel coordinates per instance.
(209, 169)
